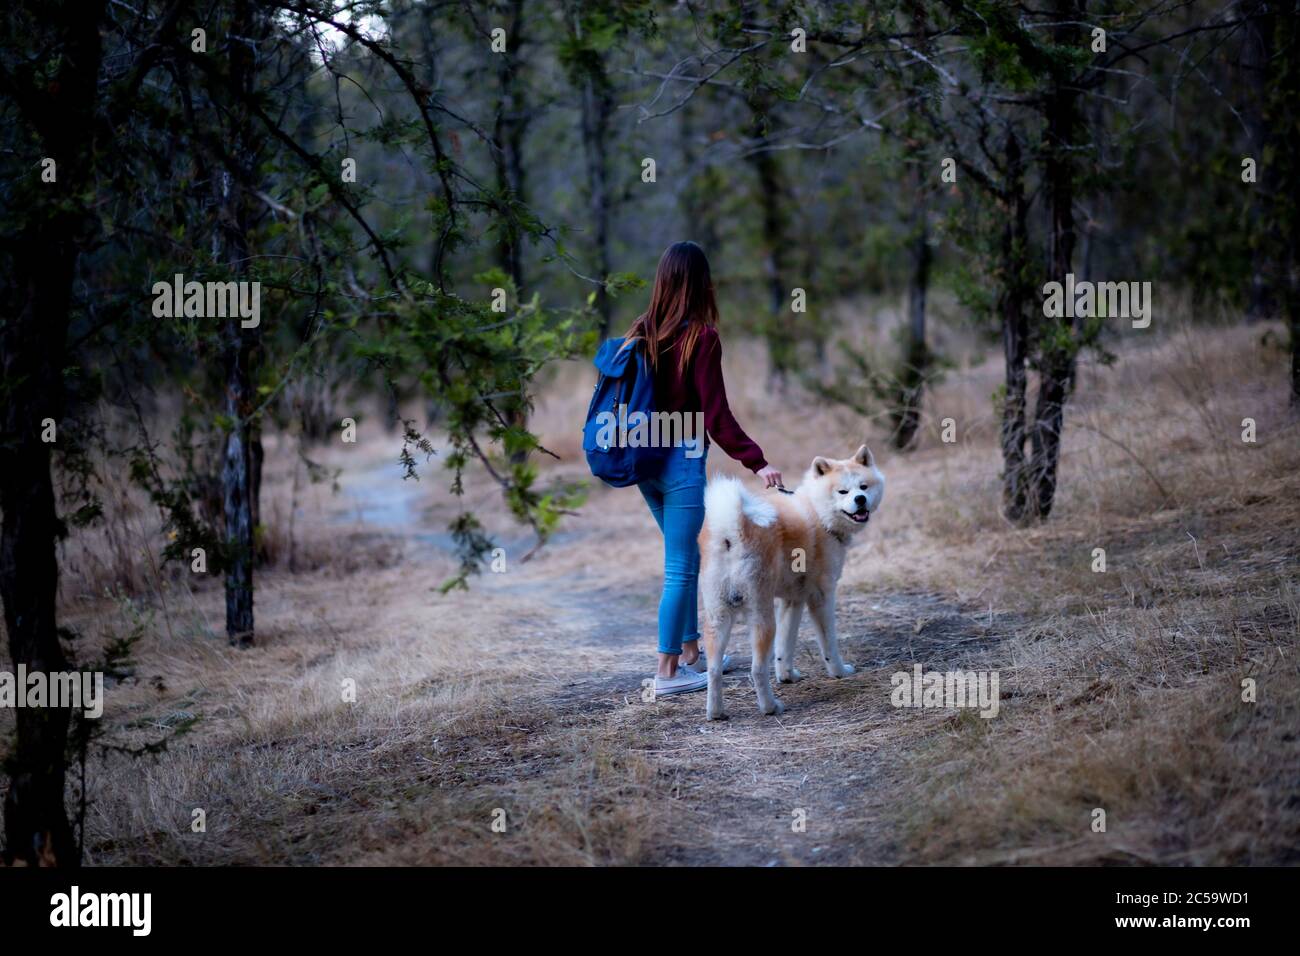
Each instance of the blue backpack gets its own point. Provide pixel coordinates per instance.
(625, 380)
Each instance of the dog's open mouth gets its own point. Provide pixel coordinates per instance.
(861, 517)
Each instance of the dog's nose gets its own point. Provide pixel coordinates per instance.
(860, 501)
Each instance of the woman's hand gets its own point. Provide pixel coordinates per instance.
(771, 477)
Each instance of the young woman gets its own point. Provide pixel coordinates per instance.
(679, 333)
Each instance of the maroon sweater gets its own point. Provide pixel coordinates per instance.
(699, 388)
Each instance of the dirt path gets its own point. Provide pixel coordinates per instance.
(756, 791)
(1120, 690)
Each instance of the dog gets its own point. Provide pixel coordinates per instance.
(775, 555)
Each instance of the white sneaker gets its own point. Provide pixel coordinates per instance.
(683, 682)
(701, 666)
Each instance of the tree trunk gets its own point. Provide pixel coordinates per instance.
(1285, 127)
(1256, 59)
(230, 246)
(916, 356)
(597, 108)
(237, 458)
(1015, 333)
(508, 135)
(1058, 353)
(697, 201)
(36, 823)
(42, 259)
(771, 194)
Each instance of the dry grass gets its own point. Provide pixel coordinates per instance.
(1121, 690)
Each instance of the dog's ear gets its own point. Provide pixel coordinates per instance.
(864, 457)
(821, 466)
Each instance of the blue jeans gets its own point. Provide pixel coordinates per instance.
(676, 499)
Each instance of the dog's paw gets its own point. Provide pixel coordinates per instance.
(845, 670)
(776, 709)
(718, 714)
(793, 675)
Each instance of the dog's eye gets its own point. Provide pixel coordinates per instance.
(863, 487)
(844, 491)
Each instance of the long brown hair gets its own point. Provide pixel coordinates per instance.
(682, 301)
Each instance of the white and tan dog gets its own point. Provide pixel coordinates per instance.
(773, 556)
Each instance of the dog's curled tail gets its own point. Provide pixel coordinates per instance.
(728, 506)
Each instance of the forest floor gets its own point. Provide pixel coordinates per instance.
(521, 698)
